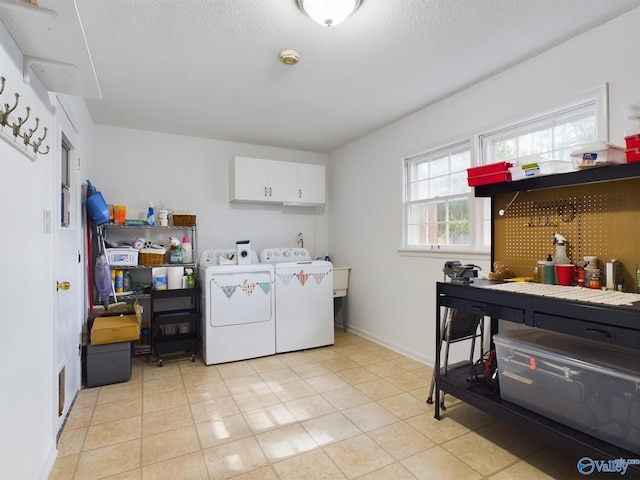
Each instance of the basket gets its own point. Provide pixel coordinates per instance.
(122, 256)
(184, 220)
(152, 256)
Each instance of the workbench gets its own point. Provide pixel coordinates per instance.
(617, 324)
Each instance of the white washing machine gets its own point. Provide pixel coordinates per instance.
(303, 299)
(238, 309)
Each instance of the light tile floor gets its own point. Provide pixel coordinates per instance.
(355, 410)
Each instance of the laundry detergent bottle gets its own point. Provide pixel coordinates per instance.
(187, 250)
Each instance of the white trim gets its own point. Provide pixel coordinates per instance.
(466, 254)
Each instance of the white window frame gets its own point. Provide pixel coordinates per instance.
(598, 97)
(407, 202)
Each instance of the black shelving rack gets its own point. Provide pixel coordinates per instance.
(175, 323)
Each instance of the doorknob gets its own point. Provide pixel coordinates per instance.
(63, 286)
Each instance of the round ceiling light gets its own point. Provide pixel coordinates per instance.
(289, 57)
(328, 12)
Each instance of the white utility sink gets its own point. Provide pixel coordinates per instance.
(340, 281)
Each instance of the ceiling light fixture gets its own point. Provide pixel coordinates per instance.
(328, 12)
(289, 57)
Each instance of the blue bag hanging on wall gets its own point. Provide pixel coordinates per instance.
(96, 206)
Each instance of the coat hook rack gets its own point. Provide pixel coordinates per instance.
(11, 130)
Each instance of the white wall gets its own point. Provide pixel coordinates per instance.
(134, 167)
(392, 297)
(28, 401)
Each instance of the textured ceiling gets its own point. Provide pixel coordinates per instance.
(210, 68)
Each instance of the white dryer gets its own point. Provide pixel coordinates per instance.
(237, 307)
(303, 299)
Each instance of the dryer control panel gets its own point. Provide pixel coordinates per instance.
(285, 254)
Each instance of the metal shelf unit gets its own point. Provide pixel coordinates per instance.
(182, 342)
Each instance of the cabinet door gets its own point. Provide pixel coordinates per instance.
(248, 180)
(283, 180)
(311, 183)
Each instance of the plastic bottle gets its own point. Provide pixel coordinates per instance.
(549, 271)
(561, 250)
(187, 250)
(191, 280)
(151, 218)
(126, 281)
(176, 255)
(119, 281)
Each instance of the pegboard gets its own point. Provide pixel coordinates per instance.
(600, 219)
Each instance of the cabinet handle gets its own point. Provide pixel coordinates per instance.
(265, 191)
(270, 191)
(299, 193)
(598, 332)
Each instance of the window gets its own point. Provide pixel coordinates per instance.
(552, 137)
(441, 212)
(65, 184)
(547, 138)
(437, 198)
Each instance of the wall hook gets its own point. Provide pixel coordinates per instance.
(17, 126)
(27, 136)
(36, 145)
(4, 119)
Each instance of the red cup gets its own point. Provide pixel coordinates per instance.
(565, 274)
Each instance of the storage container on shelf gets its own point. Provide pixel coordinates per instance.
(184, 219)
(487, 174)
(632, 137)
(598, 154)
(585, 384)
(536, 165)
(152, 256)
(122, 256)
(633, 155)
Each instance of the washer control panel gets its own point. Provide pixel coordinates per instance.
(287, 254)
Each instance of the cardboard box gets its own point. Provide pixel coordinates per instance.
(114, 329)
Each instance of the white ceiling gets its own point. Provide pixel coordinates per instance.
(210, 68)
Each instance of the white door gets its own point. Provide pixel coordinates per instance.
(67, 228)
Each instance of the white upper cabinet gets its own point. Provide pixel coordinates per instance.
(282, 180)
(272, 181)
(311, 183)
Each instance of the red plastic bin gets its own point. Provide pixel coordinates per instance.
(633, 141)
(491, 178)
(633, 154)
(491, 173)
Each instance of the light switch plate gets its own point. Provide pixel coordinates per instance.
(47, 221)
